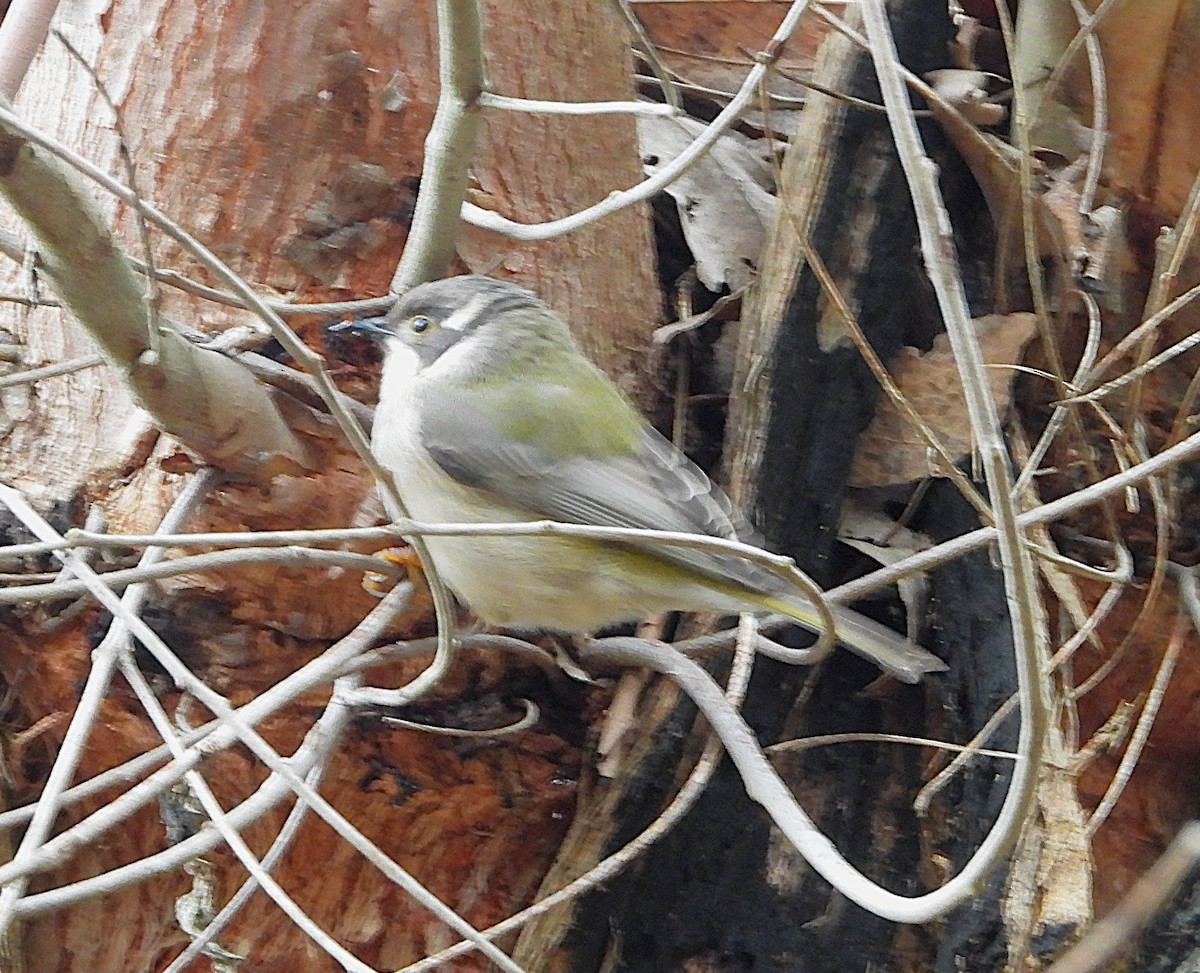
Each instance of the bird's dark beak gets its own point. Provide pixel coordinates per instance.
(364, 328)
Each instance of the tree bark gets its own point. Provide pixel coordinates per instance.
(288, 137)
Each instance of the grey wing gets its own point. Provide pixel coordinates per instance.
(653, 487)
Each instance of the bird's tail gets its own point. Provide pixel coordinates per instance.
(889, 650)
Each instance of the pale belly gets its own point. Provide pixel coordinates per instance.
(532, 581)
(535, 581)
(538, 582)
(527, 582)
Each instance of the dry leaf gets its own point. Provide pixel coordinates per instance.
(978, 47)
(967, 91)
(879, 537)
(891, 450)
(723, 204)
(994, 164)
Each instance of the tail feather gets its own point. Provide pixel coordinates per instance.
(889, 650)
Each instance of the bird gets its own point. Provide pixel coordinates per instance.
(490, 412)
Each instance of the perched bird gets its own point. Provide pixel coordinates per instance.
(490, 413)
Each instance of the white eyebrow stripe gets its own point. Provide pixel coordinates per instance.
(465, 315)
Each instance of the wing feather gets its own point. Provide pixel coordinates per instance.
(645, 483)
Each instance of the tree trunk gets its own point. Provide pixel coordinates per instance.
(289, 138)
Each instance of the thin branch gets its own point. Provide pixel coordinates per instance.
(1099, 82)
(507, 103)
(359, 660)
(528, 718)
(231, 450)
(607, 869)
(126, 773)
(150, 294)
(230, 834)
(828, 739)
(76, 537)
(233, 723)
(1141, 732)
(1141, 332)
(1022, 127)
(432, 245)
(1113, 935)
(644, 190)
(1047, 513)
(645, 46)
(973, 746)
(1020, 580)
(22, 30)
(328, 732)
(210, 739)
(14, 249)
(940, 456)
(213, 561)
(104, 665)
(449, 147)
(200, 396)
(1059, 417)
(718, 94)
(30, 375)
(763, 786)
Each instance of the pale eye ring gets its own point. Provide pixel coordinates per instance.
(419, 323)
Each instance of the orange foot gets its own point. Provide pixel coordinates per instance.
(379, 584)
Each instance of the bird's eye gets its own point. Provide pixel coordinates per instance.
(418, 324)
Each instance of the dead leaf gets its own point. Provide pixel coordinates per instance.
(978, 47)
(723, 202)
(968, 92)
(994, 164)
(882, 539)
(891, 450)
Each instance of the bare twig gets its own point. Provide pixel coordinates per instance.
(22, 30)
(200, 396)
(213, 561)
(104, 665)
(763, 786)
(667, 174)
(973, 747)
(208, 739)
(229, 833)
(632, 850)
(328, 731)
(1059, 417)
(1099, 81)
(14, 249)
(937, 246)
(828, 739)
(30, 375)
(150, 294)
(1114, 934)
(235, 725)
(449, 147)
(1141, 732)
(431, 246)
(527, 719)
(1138, 334)
(533, 106)
(1047, 513)
(646, 47)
